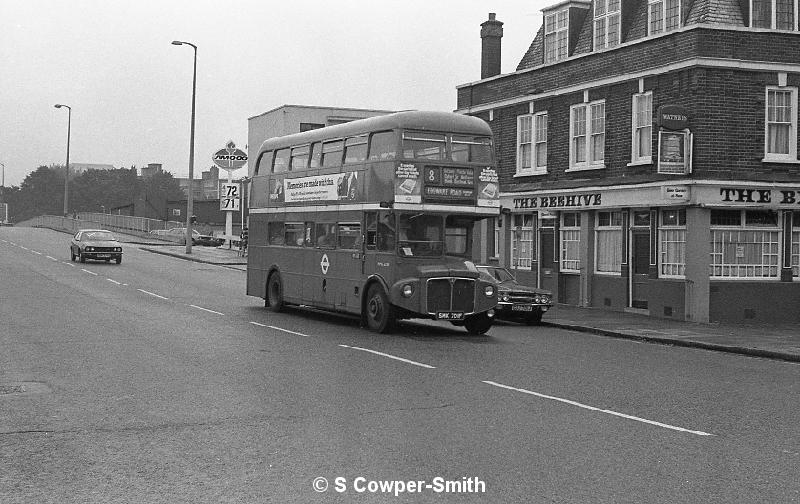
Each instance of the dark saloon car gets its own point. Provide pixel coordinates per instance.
(179, 235)
(96, 244)
(515, 301)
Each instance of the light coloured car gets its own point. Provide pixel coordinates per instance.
(95, 244)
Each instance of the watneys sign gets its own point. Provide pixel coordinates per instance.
(673, 117)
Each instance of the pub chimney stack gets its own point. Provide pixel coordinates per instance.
(491, 33)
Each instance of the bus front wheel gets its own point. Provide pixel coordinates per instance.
(380, 314)
(274, 301)
(478, 324)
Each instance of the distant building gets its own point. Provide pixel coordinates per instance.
(207, 187)
(78, 168)
(151, 169)
(288, 119)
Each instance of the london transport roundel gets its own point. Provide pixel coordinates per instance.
(324, 264)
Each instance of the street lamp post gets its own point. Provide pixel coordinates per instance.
(190, 202)
(66, 168)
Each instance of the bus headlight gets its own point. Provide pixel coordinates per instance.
(89, 249)
(408, 289)
(489, 291)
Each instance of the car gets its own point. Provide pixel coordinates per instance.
(179, 235)
(516, 302)
(96, 244)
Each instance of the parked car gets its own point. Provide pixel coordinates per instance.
(96, 244)
(515, 301)
(179, 235)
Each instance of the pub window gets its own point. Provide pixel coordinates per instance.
(556, 36)
(293, 234)
(588, 135)
(781, 124)
(642, 131)
(775, 14)
(332, 153)
(522, 241)
(606, 23)
(570, 234)
(349, 235)
(299, 158)
(532, 144)
(665, 16)
(355, 149)
(281, 163)
(608, 242)
(672, 243)
(275, 233)
(383, 146)
(744, 244)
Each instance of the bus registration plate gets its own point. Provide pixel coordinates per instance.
(449, 315)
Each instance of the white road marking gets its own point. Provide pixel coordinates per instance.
(36, 252)
(52, 258)
(68, 264)
(389, 356)
(113, 281)
(152, 294)
(259, 325)
(90, 272)
(206, 309)
(12, 243)
(24, 248)
(288, 331)
(601, 410)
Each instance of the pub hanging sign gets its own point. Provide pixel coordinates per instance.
(673, 117)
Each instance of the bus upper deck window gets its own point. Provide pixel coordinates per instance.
(264, 163)
(299, 158)
(355, 149)
(383, 146)
(281, 163)
(471, 149)
(315, 153)
(424, 145)
(332, 153)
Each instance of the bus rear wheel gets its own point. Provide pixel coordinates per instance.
(274, 300)
(478, 324)
(380, 314)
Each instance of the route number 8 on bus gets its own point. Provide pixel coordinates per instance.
(376, 217)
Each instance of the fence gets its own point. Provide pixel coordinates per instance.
(139, 226)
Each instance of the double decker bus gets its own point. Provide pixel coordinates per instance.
(376, 217)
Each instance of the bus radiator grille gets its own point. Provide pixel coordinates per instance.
(451, 295)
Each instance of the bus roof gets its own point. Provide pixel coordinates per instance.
(415, 119)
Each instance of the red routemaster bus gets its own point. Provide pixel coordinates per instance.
(376, 217)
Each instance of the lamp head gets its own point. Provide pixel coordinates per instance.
(177, 42)
(58, 105)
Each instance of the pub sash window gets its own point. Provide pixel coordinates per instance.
(665, 16)
(608, 242)
(642, 121)
(745, 244)
(570, 240)
(587, 136)
(774, 14)
(672, 243)
(606, 23)
(781, 124)
(795, 259)
(556, 36)
(522, 234)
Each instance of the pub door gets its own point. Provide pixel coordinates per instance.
(640, 260)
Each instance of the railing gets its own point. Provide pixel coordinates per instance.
(129, 224)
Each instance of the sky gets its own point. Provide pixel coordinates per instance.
(130, 89)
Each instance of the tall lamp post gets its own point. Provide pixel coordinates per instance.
(190, 202)
(66, 168)
(2, 195)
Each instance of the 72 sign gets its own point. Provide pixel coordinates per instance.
(229, 196)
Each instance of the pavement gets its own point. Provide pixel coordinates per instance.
(772, 341)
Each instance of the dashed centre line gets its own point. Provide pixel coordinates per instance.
(288, 331)
(113, 281)
(601, 410)
(206, 309)
(90, 272)
(36, 252)
(52, 258)
(152, 294)
(389, 356)
(257, 324)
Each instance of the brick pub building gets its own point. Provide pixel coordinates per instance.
(647, 154)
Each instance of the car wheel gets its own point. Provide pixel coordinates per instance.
(534, 319)
(71, 255)
(119, 259)
(274, 299)
(478, 324)
(81, 256)
(380, 313)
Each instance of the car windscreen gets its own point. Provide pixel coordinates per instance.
(98, 236)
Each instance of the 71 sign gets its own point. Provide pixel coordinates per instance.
(229, 195)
